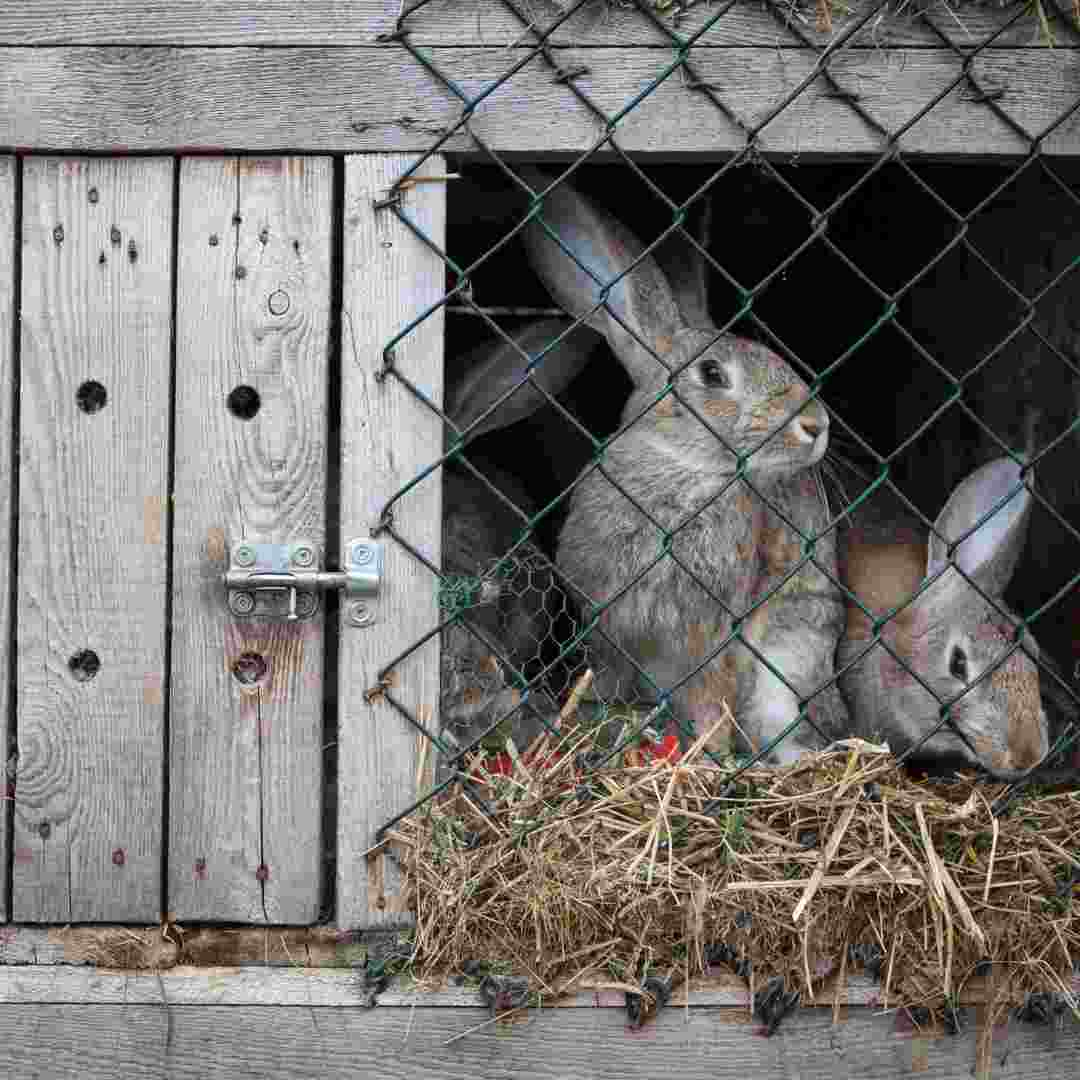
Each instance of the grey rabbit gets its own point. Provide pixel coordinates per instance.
(676, 458)
(506, 617)
(949, 636)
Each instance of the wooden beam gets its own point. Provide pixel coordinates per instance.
(253, 311)
(380, 98)
(490, 24)
(301, 983)
(388, 437)
(103, 1042)
(8, 169)
(96, 318)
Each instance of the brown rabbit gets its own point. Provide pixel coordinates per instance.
(950, 637)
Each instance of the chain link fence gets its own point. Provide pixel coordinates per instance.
(826, 609)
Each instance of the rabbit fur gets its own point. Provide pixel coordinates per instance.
(676, 458)
(509, 618)
(950, 636)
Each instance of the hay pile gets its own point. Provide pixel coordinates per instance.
(654, 868)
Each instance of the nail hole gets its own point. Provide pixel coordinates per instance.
(114, 236)
(93, 196)
(84, 665)
(133, 251)
(278, 303)
(101, 259)
(296, 246)
(214, 241)
(237, 219)
(58, 234)
(241, 273)
(44, 830)
(250, 669)
(244, 402)
(264, 236)
(91, 396)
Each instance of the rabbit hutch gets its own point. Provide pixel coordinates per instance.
(540, 535)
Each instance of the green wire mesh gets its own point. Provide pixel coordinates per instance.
(537, 680)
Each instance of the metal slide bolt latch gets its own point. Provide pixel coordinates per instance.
(283, 581)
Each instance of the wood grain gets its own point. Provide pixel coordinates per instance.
(245, 760)
(202, 946)
(96, 305)
(387, 438)
(381, 99)
(7, 402)
(489, 23)
(106, 1042)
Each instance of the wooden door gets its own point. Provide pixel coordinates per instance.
(186, 326)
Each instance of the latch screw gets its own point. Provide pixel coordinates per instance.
(244, 555)
(306, 603)
(303, 555)
(241, 603)
(360, 554)
(359, 614)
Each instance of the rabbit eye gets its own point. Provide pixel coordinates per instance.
(958, 664)
(714, 375)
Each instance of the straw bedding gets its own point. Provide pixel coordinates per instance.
(654, 870)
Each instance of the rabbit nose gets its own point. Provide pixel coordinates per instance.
(812, 426)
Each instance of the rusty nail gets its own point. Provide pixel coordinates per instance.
(241, 272)
(58, 234)
(118, 857)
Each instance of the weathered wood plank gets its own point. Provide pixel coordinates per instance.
(104, 1042)
(490, 23)
(298, 984)
(96, 322)
(381, 99)
(7, 401)
(245, 759)
(71, 965)
(387, 438)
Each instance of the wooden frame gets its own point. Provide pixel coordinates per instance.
(209, 78)
(182, 77)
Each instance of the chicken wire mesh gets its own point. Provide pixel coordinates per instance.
(523, 618)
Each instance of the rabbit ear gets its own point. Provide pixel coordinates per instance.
(602, 249)
(989, 555)
(492, 369)
(686, 268)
